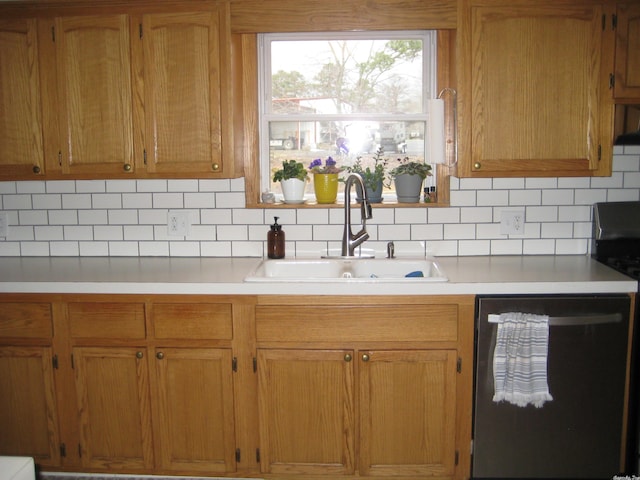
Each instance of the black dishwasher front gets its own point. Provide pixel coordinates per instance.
(578, 434)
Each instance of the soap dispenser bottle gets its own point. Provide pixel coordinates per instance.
(275, 241)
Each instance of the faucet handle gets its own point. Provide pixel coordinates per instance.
(365, 210)
(391, 250)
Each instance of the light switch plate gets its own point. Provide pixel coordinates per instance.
(4, 224)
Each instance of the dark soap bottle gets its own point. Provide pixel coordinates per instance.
(275, 241)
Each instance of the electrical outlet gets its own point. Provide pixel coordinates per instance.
(4, 224)
(512, 222)
(178, 224)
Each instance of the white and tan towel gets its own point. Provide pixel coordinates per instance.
(520, 359)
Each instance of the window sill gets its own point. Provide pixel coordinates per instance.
(310, 204)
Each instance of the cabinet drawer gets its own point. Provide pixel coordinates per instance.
(107, 320)
(27, 320)
(198, 321)
(377, 323)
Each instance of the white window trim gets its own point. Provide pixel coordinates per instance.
(429, 75)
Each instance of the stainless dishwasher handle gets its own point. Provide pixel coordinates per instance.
(572, 321)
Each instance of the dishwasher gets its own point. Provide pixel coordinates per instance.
(578, 434)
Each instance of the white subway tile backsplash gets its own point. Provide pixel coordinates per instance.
(34, 249)
(123, 249)
(30, 187)
(121, 186)
(106, 200)
(129, 217)
(168, 200)
(16, 202)
(47, 232)
(406, 215)
(492, 197)
(512, 183)
(46, 201)
(506, 247)
(152, 186)
(63, 217)
(535, 246)
(474, 247)
(29, 217)
(154, 249)
(184, 249)
(64, 249)
(91, 186)
(76, 200)
(230, 200)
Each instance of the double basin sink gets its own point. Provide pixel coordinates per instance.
(348, 270)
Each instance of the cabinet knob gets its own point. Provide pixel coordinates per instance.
(215, 167)
(477, 165)
(127, 167)
(36, 169)
(139, 354)
(159, 355)
(365, 357)
(347, 357)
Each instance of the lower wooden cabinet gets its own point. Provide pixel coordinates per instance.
(194, 410)
(374, 389)
(312, 402)
(232, 386)
(112, 386)
(28, 416)
(28, 406)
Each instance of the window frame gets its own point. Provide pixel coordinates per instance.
(244, 45)
(429, 39)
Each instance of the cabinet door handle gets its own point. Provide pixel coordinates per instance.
(215, 167)
(159, 355)
(365, 357)
(127, 167)
(477, 165)
(139, 354)
(347, 357)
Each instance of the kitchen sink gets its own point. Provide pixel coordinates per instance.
(348, 270)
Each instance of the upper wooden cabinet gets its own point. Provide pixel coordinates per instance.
(534, 89)
(90, 56)
(183, 64)
(121, 91)
(627, 71)
(21, 144)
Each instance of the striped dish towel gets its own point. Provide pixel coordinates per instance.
(520, 359)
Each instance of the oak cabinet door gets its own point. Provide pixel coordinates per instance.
(306, 410)
(93, 75)
(112, 386)
(183, 77)
(28, 418)
(21, 142)
(407, 412)
(536, 89)
(195, 419)
(627, 73)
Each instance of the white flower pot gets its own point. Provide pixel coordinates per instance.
(293, 190)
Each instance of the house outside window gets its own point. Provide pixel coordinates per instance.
(344, 95)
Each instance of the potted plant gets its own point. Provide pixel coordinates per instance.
(325, 179)
(292, 177)
(373, 176)
(408, 176)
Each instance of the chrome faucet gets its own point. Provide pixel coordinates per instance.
(350, 241)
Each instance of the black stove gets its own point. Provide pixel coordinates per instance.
(616, 243)
(616, 236)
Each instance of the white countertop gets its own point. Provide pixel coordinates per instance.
(535, 274)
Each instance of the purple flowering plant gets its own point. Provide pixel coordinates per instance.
(329, 166)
